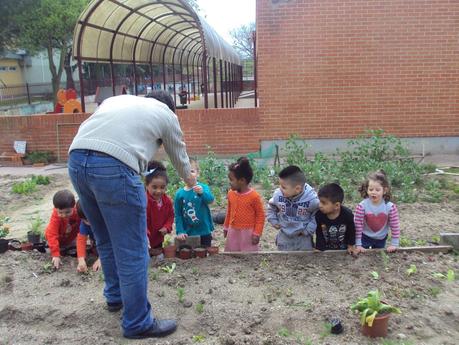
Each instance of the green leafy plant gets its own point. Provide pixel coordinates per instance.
(41, 180)
(26, 187)
(386, 259)
(4, 227)
(168, 240)
(48, 268)
(327, 327)
(200, 308)
(375, 275)
(411, 270)
(36, 226)
(181, 294)
(40, 157)
(405, 242)
(198, 338)
(371, 306)
(451, 276)
(436, 239)
(169, 268)
(284, 332)
(434, 291)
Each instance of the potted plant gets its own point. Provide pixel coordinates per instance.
(185, 251)
(200, 252)
(169, 247)
(213, 250)
(4, 231)
(374, 314)
(36, 230)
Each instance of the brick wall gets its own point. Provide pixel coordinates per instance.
(331, 68)
(226, 131)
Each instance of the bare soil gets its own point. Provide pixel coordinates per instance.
(269, 299)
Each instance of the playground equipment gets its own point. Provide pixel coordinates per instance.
(67, 102)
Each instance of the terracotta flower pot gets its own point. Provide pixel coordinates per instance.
(27, 246)
(379, 327)
(213, 250)
(200, 252)
(14, 245)
(169, 252)
(185, 253)
(3, 245)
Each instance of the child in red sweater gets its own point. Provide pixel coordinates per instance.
(63, 226)
(160, 212)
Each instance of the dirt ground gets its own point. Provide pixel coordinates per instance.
(269, 299)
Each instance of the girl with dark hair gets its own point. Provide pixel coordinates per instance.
(245, 216)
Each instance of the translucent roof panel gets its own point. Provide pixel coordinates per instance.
(147, 31)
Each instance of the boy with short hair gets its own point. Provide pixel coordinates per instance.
(292, 210)
(335, 222)
(62, 229)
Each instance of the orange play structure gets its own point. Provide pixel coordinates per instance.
(67, 102)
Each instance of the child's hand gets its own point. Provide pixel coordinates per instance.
(163, 231)
(82, 267)
(198, 189)
(255, 239)
(97, 265)
(277, 226)
(391, 249)
(359, 249)
(56, 262)
(350, 250)
(182, 237)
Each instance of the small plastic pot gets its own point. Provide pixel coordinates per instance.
(33, 238)
(200, 252)
(26, 246)
(185, 253)
(14, 245)
(170, 251)
(379, 327)
(41, 247)
(3, 245)
(213, 250)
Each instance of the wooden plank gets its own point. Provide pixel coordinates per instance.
(424, 249)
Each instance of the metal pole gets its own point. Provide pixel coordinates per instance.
(173, 81)
(151, 77)
(194, 88)
(204, 77)
(221, 84)
(215, 82)
(188, 82)
(164, 75)
(135, 79)
(28, 93)
(226, 83)
(230, 73)
(112, 75)
(80, 75)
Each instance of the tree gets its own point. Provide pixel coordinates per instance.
(243, 40)
(48, 25)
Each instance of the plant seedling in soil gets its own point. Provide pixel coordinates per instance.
(154, 275)
(41, 180)
(451, 276)
(181, 294)
(385, 259)
(326, 330)
(405, 242)
(436, 239)
(198, 338)
(371, 306)
(420, 243)
(412, 270)
(434, 291)
(169, 269)
(305, 304)
(375, 275)
(284, 332)
(36, 227)
(264, 263)
(200, 308)
(194, 271)
(26, 187)
(48, 268)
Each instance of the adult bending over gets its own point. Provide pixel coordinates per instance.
(108, 154)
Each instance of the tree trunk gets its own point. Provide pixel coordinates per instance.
(56, 73)
(68, 70)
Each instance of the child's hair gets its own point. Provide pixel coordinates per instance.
(378, 176)
(80, 211)
(293, 175)
(332, 192)
(242, 169)
(63, 199)
(194, 162)
(155, 169)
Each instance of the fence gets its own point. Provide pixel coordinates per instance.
(28, 93)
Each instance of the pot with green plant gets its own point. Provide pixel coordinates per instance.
(169, 248)
(374, 314)
(4, 231)
(35, 233)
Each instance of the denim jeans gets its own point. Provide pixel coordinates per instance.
(368, 242)
(113, 199)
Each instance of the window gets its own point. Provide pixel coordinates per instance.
(12, 68)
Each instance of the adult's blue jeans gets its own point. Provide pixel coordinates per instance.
(113, 199)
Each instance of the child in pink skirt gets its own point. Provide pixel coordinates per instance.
(245, 216)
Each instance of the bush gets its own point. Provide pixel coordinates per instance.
(40, 157)
(26, 187)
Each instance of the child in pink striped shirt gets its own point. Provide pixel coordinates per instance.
(375, 215)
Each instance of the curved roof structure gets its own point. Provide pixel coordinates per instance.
(147, 31)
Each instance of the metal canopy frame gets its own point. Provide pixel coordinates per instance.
(163, 32)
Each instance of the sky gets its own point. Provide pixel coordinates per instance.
(224, 15)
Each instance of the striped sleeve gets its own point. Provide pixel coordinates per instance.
(394, 223)
(358, 221)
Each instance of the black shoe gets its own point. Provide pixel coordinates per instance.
(114, 307)
(160, 329)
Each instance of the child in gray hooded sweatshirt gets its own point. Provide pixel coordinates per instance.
(292, 210)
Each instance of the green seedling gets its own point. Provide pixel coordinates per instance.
(375, 275)
(194, 270)
(385, 258)
(48, 268)
(36, 227)
(181, 294)
(169, 269)
(326, 330)
(155, 275)
(284, 332)
(371, 306)
(412, 270)
(405, 242)
(420, 243)
(451, 276)
(305, 304)
(198, 338)
(264, 263)
(200, 308)
(434, 291)
(25, 188)
(436, 239)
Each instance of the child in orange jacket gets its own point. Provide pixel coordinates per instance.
(62, 229)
